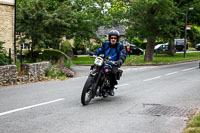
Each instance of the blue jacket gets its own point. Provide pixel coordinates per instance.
(116, 52)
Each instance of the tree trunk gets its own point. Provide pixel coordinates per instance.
(171, 48)
(149, 49)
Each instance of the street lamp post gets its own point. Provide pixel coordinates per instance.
(186, 15)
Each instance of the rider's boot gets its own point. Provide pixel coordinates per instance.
(111, 91)
(112, 87)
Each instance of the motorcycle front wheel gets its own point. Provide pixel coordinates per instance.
(87, 91)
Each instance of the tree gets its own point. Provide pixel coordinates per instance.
(193, 15)
(194, 35)
(44, 23)
(117, 11)
(152, 20)
(91, 14)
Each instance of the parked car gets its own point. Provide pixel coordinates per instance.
(134, 50)
(163, 49)
(179, 44)
(197, 46)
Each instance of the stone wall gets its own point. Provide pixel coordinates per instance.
(8, 75)
(30, 73)
(7, 25)
(34, 72)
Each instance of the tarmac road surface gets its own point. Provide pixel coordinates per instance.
(149, 99)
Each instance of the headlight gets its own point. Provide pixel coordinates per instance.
(98, 61)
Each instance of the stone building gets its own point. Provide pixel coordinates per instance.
(104, 32)
(7, 23)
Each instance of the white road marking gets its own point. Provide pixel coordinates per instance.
(189, 69)
(29, 107)
(171, 73)
(152, 78)
(122, 85)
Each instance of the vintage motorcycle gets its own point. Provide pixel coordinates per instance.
(98, 81)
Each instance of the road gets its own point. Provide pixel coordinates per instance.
(149, 99)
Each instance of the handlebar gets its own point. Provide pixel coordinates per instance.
(107, 60)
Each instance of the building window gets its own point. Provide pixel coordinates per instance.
(18, 33)
(24, 46)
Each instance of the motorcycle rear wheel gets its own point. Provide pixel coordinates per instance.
(87, 91)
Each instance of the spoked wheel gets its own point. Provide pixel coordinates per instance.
(86, 95)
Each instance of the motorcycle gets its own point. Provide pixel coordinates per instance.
(98, 81)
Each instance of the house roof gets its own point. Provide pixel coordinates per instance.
(102, 31)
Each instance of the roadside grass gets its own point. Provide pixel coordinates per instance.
(194, 125)
(85, 60)
(161, 59)
(133, 60)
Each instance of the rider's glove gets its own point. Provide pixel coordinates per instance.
(118, 63)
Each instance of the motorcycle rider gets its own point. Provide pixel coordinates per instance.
(117, 53)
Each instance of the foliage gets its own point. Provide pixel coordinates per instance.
(194, 125)
(3, 56)
(53, 55)
(46, 55)
(194, 35)
(137, 42)
(78, 44)
(60, 70)
(66, 46)
(43, 23)
(117, 11)
(94, 47)
(152, 20)
(196, 121)
(193, 15)
(90, 15)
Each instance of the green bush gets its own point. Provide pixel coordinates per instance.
(139, 43)
(194, 35)
(3, 57)
(46, 55)
(29, 57)
(78, 45)
(66, 46)
(94, 47)
(136, 42)
(52, 54)
(25, 52)
(67, 49)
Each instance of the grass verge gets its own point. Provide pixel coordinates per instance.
(134, 60)
(194, 125)
(161, 59)
(85, 60)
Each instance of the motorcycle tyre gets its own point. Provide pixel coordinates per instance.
(85, 90)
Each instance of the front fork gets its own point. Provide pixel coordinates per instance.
(97, 75)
